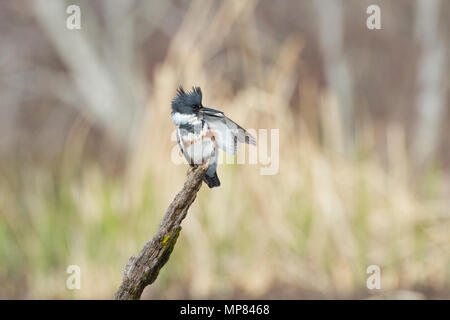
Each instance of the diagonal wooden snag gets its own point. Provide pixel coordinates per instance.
(143, 269)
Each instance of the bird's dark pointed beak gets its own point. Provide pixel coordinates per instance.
(211, 112)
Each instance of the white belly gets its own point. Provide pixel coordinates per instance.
(200, 152)
(197, 149)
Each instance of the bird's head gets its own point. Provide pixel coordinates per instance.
(187, 102)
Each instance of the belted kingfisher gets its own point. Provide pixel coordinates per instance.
(202, 131)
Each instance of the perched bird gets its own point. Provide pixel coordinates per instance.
(202, 131)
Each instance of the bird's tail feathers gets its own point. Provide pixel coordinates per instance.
(212, 181)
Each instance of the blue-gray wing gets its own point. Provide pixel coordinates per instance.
(228, 133)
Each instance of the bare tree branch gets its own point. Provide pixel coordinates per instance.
(143, 270)
(101, 69)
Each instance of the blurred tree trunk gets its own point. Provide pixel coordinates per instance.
(337, 73)
(431, 88)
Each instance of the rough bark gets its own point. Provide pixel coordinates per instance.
(143, 269)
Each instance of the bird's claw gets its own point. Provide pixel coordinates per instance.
(191, 169)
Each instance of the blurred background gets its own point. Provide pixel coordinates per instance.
(364, 177)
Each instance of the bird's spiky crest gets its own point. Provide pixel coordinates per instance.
(181, 93)
(197, 90)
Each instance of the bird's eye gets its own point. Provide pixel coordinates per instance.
(196, 106)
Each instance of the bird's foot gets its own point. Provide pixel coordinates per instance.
(191, 169)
